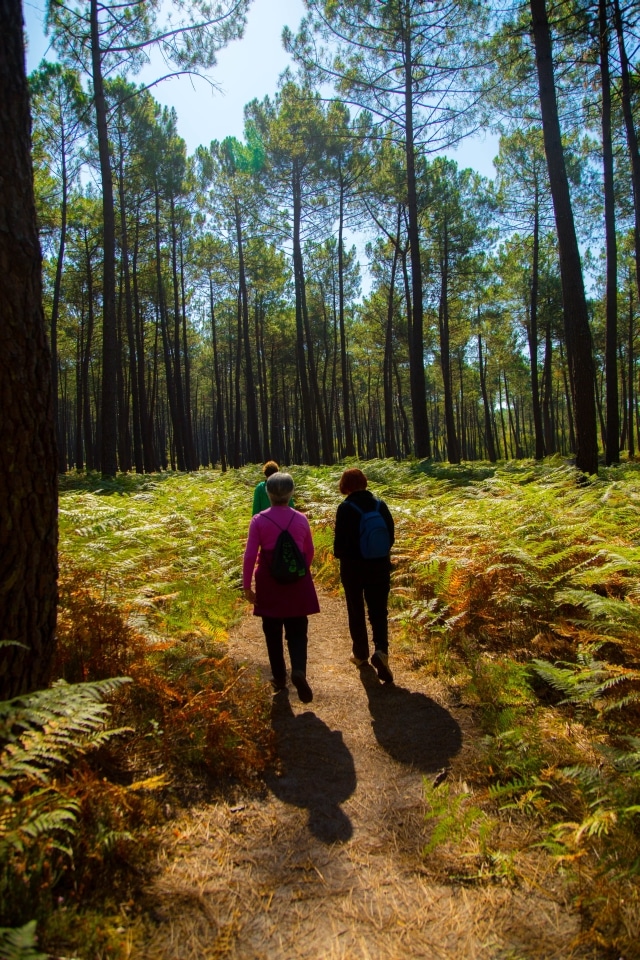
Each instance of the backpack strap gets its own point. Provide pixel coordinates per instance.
(281, 529)
(360, 510)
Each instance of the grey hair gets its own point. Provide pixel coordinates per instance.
(280, 487)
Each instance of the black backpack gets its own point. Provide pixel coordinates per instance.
(375, 541)
(287, 563)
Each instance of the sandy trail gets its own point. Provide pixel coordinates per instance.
(327, 865)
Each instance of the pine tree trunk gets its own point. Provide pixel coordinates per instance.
(176, 419)
(630, 375)
(128, 312)
(421, 436)
(488, 429)
(349, 446)
(576, 321)
(182, 446)
(219, 402)
(453, 450)
(533, 332)
(149, 452)
(90, 442)
(547, 394)
(109, 407)
(253, 430)
(612, 449)
(190, 450)
(298, 274)
(391, 449)
(55, 302)
(632, 136)
(29, 474)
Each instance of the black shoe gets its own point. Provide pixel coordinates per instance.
(278, 684)
(380, 661)
(299, 681)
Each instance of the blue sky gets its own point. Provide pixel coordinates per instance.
(246, 69)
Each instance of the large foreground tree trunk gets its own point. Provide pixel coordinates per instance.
(576, 321)
(28, 467)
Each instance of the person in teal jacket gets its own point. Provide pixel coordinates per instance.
(260, 496)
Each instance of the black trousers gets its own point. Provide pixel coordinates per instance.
(295, 631)
(367, 582)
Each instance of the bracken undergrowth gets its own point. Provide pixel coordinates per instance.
(515, 584)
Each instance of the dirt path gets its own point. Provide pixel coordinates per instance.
(327, 866)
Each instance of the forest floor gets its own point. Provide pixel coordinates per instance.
(327, 862)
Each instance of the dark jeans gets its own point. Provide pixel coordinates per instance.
(369, 582)
(295, 630)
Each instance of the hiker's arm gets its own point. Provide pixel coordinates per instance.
(257, 499)
(388, 519)
(250, 555)
(341, 533)
(308, 548)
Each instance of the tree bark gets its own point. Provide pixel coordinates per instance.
(55, 304)
(421, 436)
(176, 350)
(453, 449)
(109, 407)
(349, 446)
(632, 136)
(298, 274)
(219, 418)
(253, 430)
(128, 309)
(391, 448)
(488, 426)
(533, 331)
(176, 420)
(612, 448)
(89, 447)
(576, 321)
(630, 376)
(28, 477)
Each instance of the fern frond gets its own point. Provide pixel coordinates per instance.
(627, 761)
(615, 618)
(50, 727)
(20, 943)
(588, 680)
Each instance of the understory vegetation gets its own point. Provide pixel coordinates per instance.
(517, 585)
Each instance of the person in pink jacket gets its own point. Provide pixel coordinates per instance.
(281, 605)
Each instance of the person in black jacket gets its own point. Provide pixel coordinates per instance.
(364, 581)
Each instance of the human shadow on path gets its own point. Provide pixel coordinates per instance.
(318, 772)
(411, 727)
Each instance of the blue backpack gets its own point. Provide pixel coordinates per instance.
(375, 541)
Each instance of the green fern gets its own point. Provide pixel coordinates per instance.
(613, 618)
(450, 816)
(42, 732)
(529, 795)
(588, 681)
(20, 943)
(625, 760)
